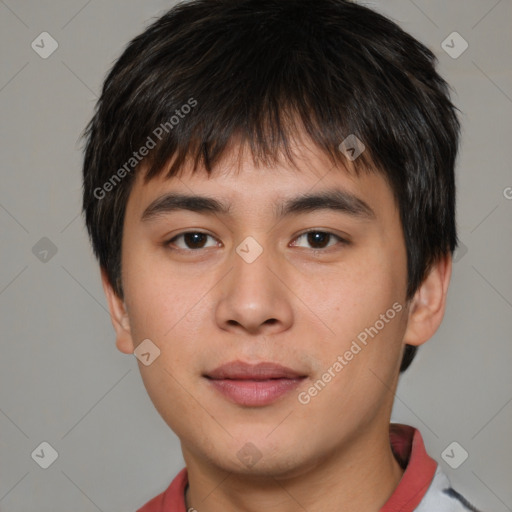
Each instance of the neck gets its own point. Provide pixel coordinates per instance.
(361, 476)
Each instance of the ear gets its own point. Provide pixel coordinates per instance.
(427, 307)
(118, 316)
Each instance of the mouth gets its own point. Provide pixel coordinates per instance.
(253, 385)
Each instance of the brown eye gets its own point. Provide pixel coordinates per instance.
(320, 239)
(192, 240)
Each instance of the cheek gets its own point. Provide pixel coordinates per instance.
(169, 308)
(354, 295)
(362, 313)
(166, 310)
(156, 299)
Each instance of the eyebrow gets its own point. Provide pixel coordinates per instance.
(334, 199)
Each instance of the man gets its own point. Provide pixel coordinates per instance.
(269, 189)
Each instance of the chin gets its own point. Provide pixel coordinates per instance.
(262, 458)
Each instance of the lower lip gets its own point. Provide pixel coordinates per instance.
(255, 392)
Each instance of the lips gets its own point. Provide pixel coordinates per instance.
(253, 385)
(238, 370)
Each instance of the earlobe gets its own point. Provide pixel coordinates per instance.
(118, 316)
(427, 308)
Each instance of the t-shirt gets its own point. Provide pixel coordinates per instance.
(423, 487)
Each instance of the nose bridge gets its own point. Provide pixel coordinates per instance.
(253, 286)
(252, 297)
(251, 261)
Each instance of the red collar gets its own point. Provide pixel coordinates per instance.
(408, 448)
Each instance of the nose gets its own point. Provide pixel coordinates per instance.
(253, 297)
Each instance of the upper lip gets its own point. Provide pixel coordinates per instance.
(238, 370)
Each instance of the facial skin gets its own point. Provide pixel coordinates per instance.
(298, 305)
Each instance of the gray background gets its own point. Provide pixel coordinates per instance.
(61, 378)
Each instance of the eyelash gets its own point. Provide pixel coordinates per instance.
(341, 240)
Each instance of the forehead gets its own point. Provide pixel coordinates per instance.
(243, 187)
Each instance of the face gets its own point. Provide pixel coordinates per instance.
(317, 287)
